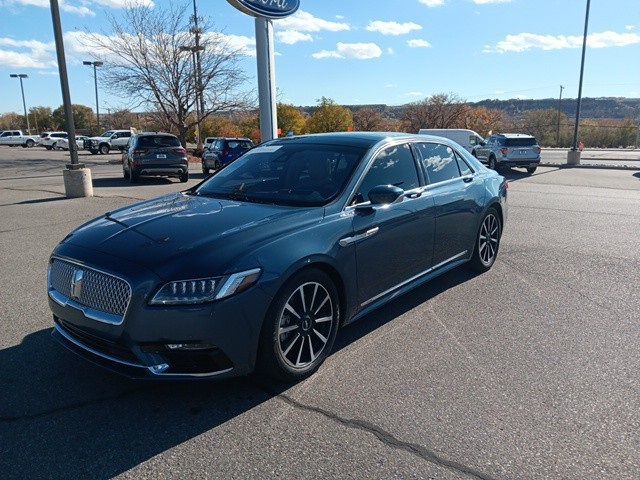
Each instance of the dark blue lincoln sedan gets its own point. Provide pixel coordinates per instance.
(258, 266)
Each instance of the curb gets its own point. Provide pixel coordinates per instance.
(596, 167)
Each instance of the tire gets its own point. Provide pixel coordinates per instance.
(30, 143)
(54, 146)
(125, 174)
(104, 149)
(492, 163)
(205, 171)
(133, 175)
(93, 152)
(287, 356)
(531, 170)
(484, 257)
(48, 147)
(24, 145)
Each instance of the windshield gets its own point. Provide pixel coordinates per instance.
(286, 174)
(107, 134)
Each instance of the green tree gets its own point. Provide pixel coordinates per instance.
(83, 117)
(330, 117)
(11, 120)
(291, 119)
(41, 118)
(369, 120)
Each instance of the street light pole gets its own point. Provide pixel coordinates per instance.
(95, 82)
(77, 178)
(573, 157)
(24, 103)
(559, 112)
(194, 50)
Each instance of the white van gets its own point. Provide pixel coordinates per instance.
(466, 138)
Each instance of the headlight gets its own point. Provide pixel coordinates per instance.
(203, 290)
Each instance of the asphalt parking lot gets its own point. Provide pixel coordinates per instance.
(531, 370)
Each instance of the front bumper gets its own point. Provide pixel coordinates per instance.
(224, 334)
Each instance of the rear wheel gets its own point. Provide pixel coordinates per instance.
(531, 170)
(184, 178)
(205, 171)
(300, 327)
(93, 152)
(487, 242)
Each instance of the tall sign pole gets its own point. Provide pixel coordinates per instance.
(265, 12)
(266, 79)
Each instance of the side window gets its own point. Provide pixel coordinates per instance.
(125, 134)
(393, 166)
(462, 166)
(439, 162)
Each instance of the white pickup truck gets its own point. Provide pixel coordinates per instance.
(15, 138)
(110, 140)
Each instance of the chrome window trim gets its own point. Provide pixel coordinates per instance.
(376, 149)
(91, 313)
(415, 277)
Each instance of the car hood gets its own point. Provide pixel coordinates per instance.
(189, 233)
(98, 138)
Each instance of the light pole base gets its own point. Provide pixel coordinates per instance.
(77, 183)
(573, 157)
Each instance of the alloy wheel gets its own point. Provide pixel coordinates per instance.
(305, 325)
(488, 239)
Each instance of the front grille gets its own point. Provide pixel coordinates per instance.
(99, 291)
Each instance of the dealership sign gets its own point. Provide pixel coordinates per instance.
(267, 8)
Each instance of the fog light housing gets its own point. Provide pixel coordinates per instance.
(190, 346)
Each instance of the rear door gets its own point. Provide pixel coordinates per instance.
(458, 195)
(395, 242)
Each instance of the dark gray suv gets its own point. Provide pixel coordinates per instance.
(157, 155)
(509, 150)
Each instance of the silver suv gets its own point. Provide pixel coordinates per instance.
(509, 150)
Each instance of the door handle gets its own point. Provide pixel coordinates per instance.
(349, 240)
(467, 179)
(414, 195)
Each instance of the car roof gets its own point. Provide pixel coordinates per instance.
(154, 134)
(514, 135)
(355, 139)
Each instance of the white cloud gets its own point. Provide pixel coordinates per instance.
(26, 53)
(390, 51)
(432, 3)
(390, 85)
(528, 41)
(414, 94)
(358, 51)
(630, 27)
(302, 21)
(242, 44)
(81, 11)
(291, 37)
(487, 2)
(393, 28)
(418, 43)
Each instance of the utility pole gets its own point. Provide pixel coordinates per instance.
(95, 82)
(198, 67)
(194, 55)
(559, 112)
(77, 178)
(24, 103)
(573, 158)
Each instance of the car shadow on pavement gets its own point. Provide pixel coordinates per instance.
(61, 417)
(516, 175)
(109, 182)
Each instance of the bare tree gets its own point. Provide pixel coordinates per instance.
(144, 63)
(438, 111)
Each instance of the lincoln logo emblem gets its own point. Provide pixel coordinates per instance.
(76, 283)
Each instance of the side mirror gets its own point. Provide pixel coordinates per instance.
(384, 194)
(483, 143)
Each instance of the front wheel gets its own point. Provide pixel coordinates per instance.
(531, 170)
(300, 327)
(492, 163)
(487, 242)
(104, 149)
(48, 147)
(30, 143)
(93, 152)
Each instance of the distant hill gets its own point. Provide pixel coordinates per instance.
(609, 107)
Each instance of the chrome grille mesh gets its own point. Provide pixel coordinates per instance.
(100, 291)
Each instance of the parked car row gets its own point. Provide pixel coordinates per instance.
(58, 140)
(15, 138)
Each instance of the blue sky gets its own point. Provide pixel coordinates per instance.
(357, 51)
